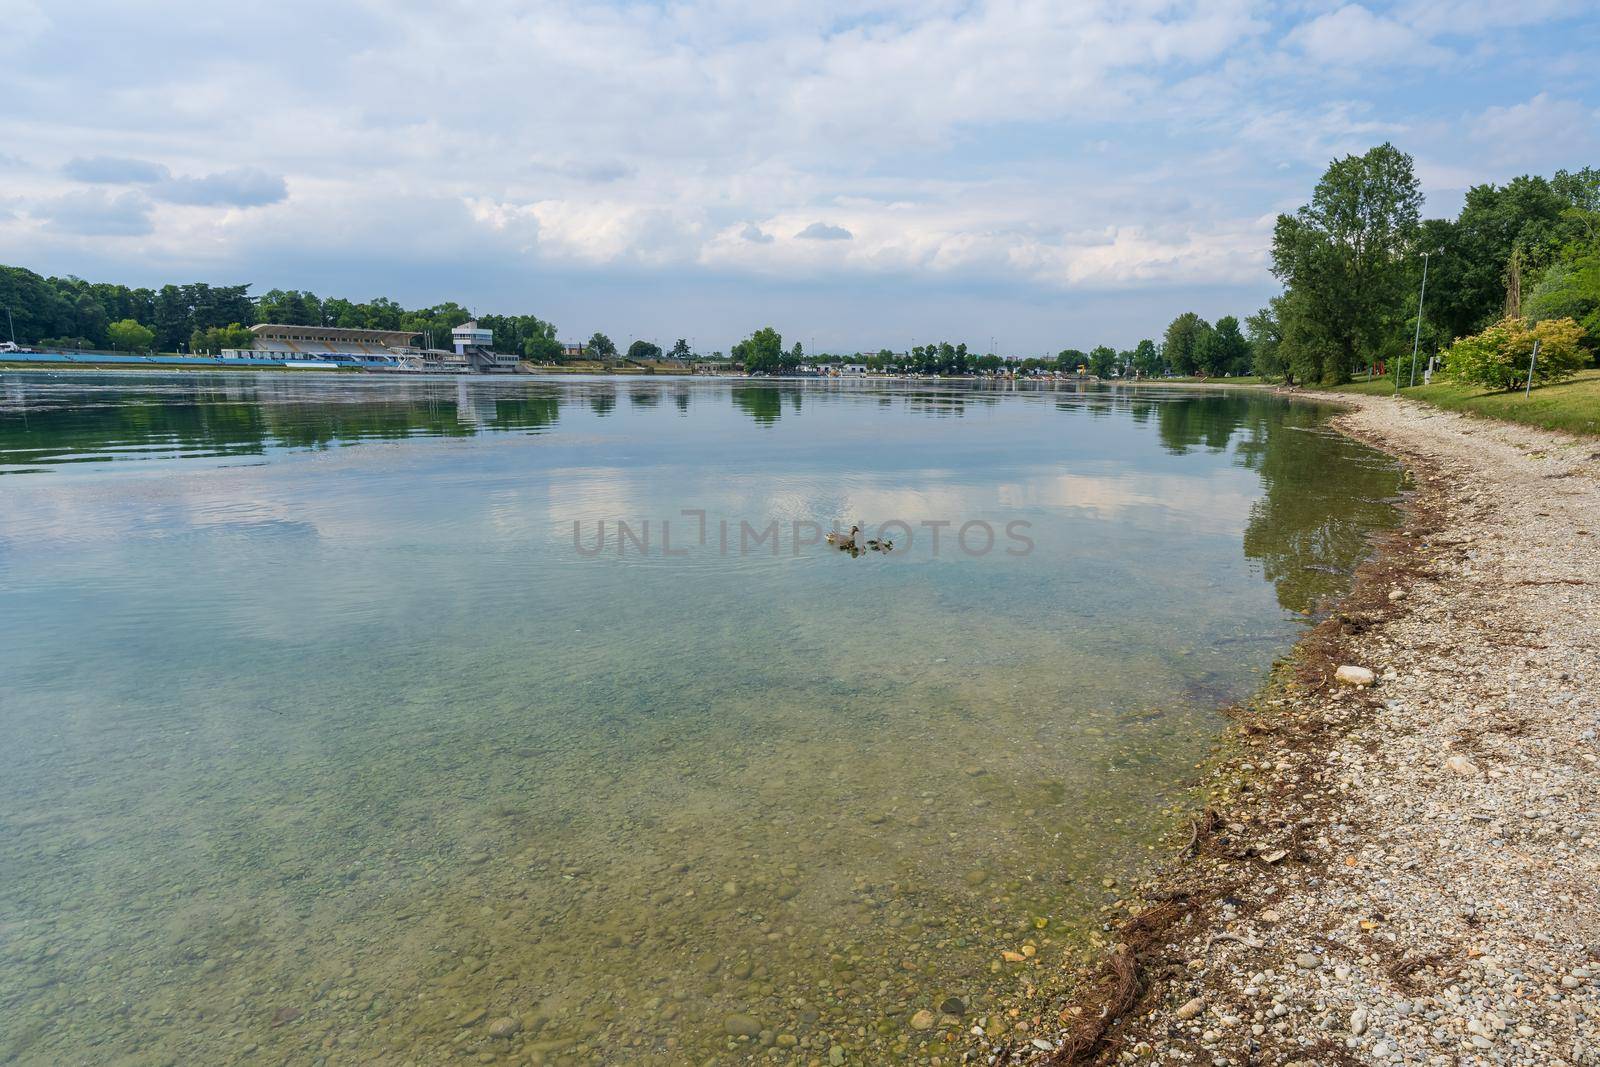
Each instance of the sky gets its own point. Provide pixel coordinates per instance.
(1031, 174)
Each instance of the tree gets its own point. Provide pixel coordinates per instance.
(1070, 359)
(643, 350)
(1581, 192)
(217, 338)
(1223, 349)
(1102, 361)
(600, 347)
(1348, 257)
(762, 352)
(1570, 289)
(1182, 343)
(126, 335)
(539, 344)
(287, 308)
(1504, 236)
(1266, 341)
(681, 352)
(1499, 356)
(1147, 359)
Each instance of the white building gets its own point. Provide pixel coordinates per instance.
(470, 335)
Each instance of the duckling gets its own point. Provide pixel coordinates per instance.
(883, 545)
(844, 540)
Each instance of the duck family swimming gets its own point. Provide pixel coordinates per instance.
(853, 543)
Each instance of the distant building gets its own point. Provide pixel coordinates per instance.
(367, 349)
(470, 335)
(476, 345)
(853, 370)
(275, 341)
(572, 351)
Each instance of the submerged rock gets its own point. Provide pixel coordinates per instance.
(742, 1025)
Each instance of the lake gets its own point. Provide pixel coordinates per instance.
(342, 721)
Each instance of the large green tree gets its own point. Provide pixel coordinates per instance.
(1102, 361)
(762, 352)
(1266, 341)
(216, 338)
(1570, 289)
(127, 335)
(1147, 359)
(1181, 346)
(1348, 256)
(1223, 350)
(1484, 260)
(601, 347)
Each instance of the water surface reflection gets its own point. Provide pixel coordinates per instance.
(311, 752)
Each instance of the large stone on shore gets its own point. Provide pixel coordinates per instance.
(1463, 766)
(1191, 1009)
(1350, 675)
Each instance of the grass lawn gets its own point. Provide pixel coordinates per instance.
(1573, 406)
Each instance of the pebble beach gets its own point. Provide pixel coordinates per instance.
(1399, 857)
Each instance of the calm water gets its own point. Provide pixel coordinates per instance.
(321, 740)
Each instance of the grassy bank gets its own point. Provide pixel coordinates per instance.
(1573, 406)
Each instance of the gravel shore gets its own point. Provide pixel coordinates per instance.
(1406, 871)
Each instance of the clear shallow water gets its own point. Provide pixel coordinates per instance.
(311, 751)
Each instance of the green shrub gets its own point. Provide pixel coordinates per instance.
(1498, 357)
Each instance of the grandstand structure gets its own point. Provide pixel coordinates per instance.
(394, 350)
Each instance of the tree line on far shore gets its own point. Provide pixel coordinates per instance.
(198, 317)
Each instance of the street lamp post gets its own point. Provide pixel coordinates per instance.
(1416, 338)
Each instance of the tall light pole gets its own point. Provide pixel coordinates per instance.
(1416, 338)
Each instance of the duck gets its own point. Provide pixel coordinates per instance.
(844, 540)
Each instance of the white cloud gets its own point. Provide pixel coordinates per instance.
(1512, 132)
(1091, 145)
(1460, 17)
(1353, 38)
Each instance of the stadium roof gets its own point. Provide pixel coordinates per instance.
(274, 331)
